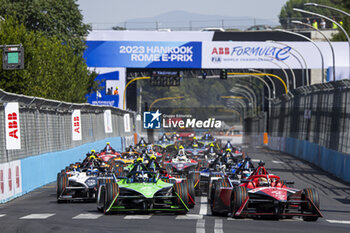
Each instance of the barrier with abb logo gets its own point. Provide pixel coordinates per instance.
(10, 180)
(43, 136)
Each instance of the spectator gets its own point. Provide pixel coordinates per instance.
(315, 24)
(334, 26)
(308, 21)
(323, 24)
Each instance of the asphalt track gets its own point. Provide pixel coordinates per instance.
(38, 211)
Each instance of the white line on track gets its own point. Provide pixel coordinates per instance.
(200, 226)
(275, 161)
(2, 215)
(138, 216)
(203, 208)
(218, 227)
(37, 216)
(189, 217)
(233, 219)
(338, 221)
(87, 216)
(255, 160)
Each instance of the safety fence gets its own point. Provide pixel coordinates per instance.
(312, 123)
(40, 137)
(254, 129)
(46, 125)
(319, 114)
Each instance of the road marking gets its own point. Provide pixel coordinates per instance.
(234, 219)
(2, 215)
(138, 216)
(203, 208)
(338, 221)
(189, 216)
(200, 226)
(37, 216)
(275, 161)
(255, 160)
(218, 226)
(87, 216)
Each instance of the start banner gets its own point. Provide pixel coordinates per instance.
(143, 54)
(12, 126)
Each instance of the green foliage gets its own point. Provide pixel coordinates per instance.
(287, 13)
(54, 18)
(52, 69)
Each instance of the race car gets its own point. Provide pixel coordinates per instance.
(264, 194)
(108, 152)
(221, 168)
(143, 191)
(79, 182)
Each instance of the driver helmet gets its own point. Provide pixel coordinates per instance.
(93, 151)
(153, 157)
(139, 160)
(211, 145)
(245, 174)
(107, 143)
(92, 157)
(194, 138)
(181, 147)
(195, 145)
(262, 181)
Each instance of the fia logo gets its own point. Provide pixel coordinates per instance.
(151, 120)
(216, 59)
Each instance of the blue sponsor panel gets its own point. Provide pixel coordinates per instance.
(143, 54)
(109, 92)
(42, 169)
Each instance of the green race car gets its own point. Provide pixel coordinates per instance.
(143, 191)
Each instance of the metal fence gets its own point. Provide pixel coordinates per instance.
(46, 125)
(319, 114)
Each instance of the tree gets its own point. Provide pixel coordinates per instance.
(52, 69)
(287, 14)
(62, 19)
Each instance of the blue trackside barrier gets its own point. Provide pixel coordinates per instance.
(42, 169)
(332, 161)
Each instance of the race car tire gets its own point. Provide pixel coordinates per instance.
(181, 190)
(239, 195)
(310, 194)
(217, 184)
(191, 193)
(110, 192)
(62, 183)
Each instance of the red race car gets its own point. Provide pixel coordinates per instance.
(264, 194)
(107, 153)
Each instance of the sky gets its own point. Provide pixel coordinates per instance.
(116, 11)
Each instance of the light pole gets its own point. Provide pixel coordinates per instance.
(273, 84)
(162, 99)
(284, 71)
(242, 104)
(329, 7)
(131, 81)
(263, 74)
(302, 57)
(246, 94)
(333, 21)
(306, 38)
(291, 70)
(330, 44)
(253, 94)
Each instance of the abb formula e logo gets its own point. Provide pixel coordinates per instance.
(251, 51)
(76, 123)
